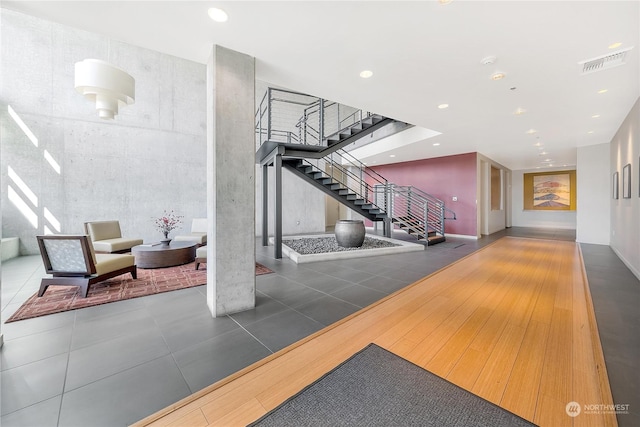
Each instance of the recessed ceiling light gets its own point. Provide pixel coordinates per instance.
(365, 74)
(497, 76)
(519, 111)
(443, 106)
(531, 131)
(444, 1)
(435, 144)
(590, 131)
(542, 153)
(392, 155)
(615, 45)
(595, 116)
(603, 90)
(218, 15)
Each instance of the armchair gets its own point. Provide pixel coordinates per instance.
(198, 233)
(72, 262)
(107, 237)
(201, 256)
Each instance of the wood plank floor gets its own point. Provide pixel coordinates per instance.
(512, 323)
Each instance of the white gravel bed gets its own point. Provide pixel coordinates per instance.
(320, 245)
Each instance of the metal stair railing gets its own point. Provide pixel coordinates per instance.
(419, 211)
(407, 206)
(296, 118)
(352, 175)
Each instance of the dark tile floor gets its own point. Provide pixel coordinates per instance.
(114, 364)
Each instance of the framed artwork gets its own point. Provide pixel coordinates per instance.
(550, 191)
(614, 188)
(626, 181)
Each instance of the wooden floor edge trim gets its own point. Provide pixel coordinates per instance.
(200, 393)
(598, 353)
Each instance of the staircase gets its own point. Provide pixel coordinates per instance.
(348, 181)
(308, 134)
(336, 188)
(419, 214)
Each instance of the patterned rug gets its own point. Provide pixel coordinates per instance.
(150, 281)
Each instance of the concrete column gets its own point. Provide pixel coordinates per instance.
(230, 182)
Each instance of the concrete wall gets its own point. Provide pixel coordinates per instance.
(150, 158)
(593, 216)
(528, 218)
(625, 213)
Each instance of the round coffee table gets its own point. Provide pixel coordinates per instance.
(158, 255)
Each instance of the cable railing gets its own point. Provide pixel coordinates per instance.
(291, 117)
(407, 206)
(414, 209)
(350, 175)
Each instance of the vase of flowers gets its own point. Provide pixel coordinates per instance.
(166, 223)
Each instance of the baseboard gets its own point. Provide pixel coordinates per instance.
(626, 262)
(461, 236)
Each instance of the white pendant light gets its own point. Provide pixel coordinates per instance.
(106, 85)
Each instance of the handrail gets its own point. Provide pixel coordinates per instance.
(342, 177)
(362, 165)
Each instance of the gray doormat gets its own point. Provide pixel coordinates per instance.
(377, 388)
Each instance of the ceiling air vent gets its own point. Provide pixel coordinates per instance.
(604, 62)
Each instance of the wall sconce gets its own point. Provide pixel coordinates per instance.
(106, 85)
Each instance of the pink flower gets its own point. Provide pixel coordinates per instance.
(168, 222)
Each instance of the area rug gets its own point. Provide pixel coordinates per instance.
(150, 281)
(377, 388)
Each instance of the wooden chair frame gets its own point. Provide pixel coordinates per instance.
(82, 279)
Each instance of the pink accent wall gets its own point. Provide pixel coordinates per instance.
(442, 177)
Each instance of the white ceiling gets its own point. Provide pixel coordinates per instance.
(422, 54)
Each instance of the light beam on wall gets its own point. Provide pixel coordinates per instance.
(52, 220)
(22, 186)
(52, 162)
(21, 124)
(108, 86)
(22, 206)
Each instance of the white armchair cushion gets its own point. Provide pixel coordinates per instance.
(201, 252)
(106, 263)
(115, 245)
(198, 233)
